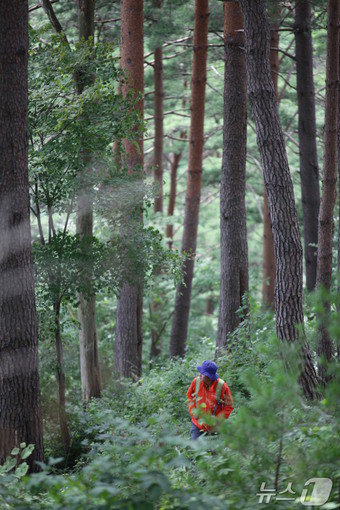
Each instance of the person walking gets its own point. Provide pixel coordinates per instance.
(211, 395)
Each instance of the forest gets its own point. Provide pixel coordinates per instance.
(169, 254)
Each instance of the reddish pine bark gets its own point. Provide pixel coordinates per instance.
(325, 346)
(128, 338)
(234, 248)
(20, 409)
(192, 200)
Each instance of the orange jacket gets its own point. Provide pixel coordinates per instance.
(207, 396)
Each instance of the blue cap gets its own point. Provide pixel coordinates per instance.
(208, 368)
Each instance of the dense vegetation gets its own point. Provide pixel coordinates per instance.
(130, 449)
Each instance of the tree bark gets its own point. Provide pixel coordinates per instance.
(177, 156)
(48, 8)
(159, 135)
(268, 268)
(192, 200)
(279, 186)
(158, 177)
(172, 197)
(325, 346)
(129, 338)
(209, 306)
(268, 275)
(309, 169)
(338, 305)
(88, 342)
(234, 247)
(20, 416)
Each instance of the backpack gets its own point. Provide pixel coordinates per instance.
(218, 392)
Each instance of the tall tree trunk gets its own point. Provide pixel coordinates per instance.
(177, 156)
(268, 267)
(172, 196)
(325, 347)
(309, 170)
(158, 177)
(64, 430)
(279, 186)
(268, 275)
(193, 193)
(20, 415)
(338, 305)
(234, 247)
(88, 342)
(129, 338)
(159, 135)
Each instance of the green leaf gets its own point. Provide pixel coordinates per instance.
(27, 451)
(21, 470)
(8, 465)
(15, 451)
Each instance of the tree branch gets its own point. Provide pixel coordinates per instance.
(47, 6)
(286, 82)
(39, 6)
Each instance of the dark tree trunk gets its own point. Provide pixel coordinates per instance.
(127, 360)
(20, 409)
(338, 306)
(85, 10)
(159, 136)
(129, 338)
(268, 275)
(172, 197)
(309, 170)
(279, 187)
(209, 306)
(156, 341)
(234, 248)
(325, 347)
(65, 434)
(158, 179)
(88, 342)
(177, 156)
(48, 8)
(193, 193)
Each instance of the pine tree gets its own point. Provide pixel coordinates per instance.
(279, 186)
(88, 342)
(234, 250)
(20, 415)
(129, 338)
(268, 276)
(325, 347)
(309, 169)
(194, 179)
